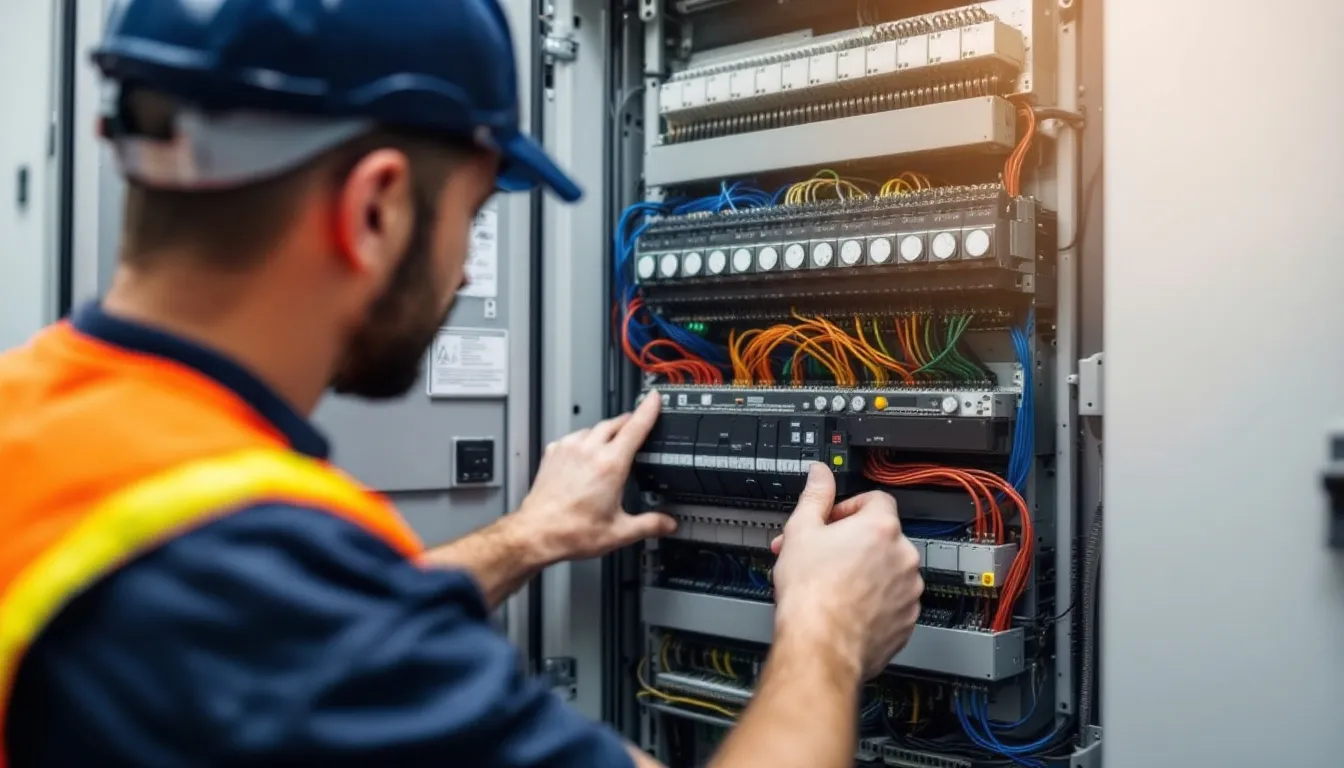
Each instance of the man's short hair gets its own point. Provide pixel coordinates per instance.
(232, 229)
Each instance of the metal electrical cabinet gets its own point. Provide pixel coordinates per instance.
(1215, 465)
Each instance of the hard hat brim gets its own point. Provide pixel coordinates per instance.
(525, 166)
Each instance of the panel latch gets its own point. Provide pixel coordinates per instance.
(559, 672)
(1089, 380)
(1334, 485)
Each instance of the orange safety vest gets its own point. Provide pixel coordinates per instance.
(106, 454)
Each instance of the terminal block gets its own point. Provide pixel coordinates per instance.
(945, 239)
(926, 59)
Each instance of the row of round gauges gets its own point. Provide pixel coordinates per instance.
(910, 248)
(949, 405)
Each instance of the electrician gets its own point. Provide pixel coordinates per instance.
(184, 579)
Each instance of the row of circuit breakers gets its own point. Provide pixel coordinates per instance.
(978, 225)
(875, 59)
(755, 445)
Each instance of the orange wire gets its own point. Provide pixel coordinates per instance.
(882, 470)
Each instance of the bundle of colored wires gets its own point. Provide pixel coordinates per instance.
(650, 342)
(988, 524)
(756, 354)
(826, 180)
(904, 184)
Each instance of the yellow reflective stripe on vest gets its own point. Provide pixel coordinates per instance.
(149, 512)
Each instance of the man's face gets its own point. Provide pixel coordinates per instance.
(383, 356)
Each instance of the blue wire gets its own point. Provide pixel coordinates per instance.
(980, 708)
(991, 744)
(1024, 434)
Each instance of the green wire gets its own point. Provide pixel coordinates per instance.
(955, 328)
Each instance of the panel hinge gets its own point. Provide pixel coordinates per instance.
(559, 48)
(1088, 753)
(1089, 380)
(559, 672)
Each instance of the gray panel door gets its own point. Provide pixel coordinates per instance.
(1223, 636)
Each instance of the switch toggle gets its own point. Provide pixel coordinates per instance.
(473, 461)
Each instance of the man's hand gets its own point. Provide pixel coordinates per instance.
(847, 571)
(574, 508)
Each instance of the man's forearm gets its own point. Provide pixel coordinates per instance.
(804, 712)
(501, 557)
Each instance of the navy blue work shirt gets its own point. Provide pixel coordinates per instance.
(282, 636)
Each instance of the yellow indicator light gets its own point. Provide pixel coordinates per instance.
(987, 579)
(880, 403)
(838, 461)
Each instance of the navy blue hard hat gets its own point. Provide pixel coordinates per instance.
(268, 84)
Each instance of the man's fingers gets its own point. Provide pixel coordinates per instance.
(604, 431)
(814, 504)
(648, 525)
(636, 429)
(853, 504)
(879, 501)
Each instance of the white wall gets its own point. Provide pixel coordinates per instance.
(27, 232)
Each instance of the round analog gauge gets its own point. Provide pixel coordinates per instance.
(977, 243)
(741, 260)
(767, 258)
(879, 251)
(793, 256)
(944, 246)
(850, 252)
(645, 267)
(820, 403)
(691, 263)
(667, 266)
(718, 261)
(949, 405)
(822, 253)
(838, 403)
(912, 247)
(856, 403)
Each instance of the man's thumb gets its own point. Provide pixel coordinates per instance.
(817, 498)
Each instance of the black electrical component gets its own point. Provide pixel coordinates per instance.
(474, 462)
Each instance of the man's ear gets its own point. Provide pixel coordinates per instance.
(375, 213)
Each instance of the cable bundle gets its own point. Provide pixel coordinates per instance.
(666, 349)
(1012, 169)
(972, 710)
(755, 354)
(984, 488)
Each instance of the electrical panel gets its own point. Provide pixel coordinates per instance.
(844, 249)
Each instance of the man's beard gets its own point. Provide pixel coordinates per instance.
(383, 357)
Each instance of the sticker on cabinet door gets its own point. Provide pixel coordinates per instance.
(469, 363)
(483, 254)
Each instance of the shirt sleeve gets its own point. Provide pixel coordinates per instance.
(282, 636)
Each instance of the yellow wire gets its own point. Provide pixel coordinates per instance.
(728, 664)
(649, 690)
(914, 709)
(714, 661)
(662, 655)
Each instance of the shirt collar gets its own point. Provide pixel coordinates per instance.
(93, 321)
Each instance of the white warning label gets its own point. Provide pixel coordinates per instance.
(469, 362)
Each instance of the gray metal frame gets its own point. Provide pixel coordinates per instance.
(949, 651)
(574, 251)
